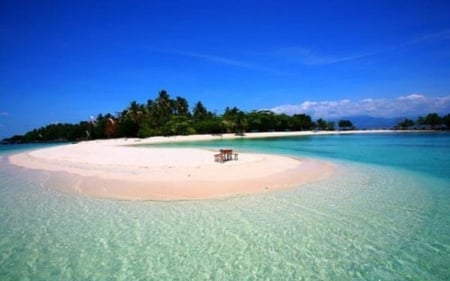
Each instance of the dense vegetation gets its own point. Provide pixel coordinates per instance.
(165, 116)
(432, 121)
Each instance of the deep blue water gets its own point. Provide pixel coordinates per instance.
(384, 215)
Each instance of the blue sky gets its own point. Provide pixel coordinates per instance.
(63, 61)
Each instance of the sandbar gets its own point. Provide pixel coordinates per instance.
(120, 169)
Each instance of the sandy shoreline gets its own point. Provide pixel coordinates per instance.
(257, 135)
(118, 169)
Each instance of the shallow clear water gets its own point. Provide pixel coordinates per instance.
(385, 215)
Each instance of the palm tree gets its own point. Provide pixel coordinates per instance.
(181, 106)
(163, 108)
(200, 113)
(346, 125)
(136, 112)
(433, 120)
(240, 123)
(235, 120)
(302, 122)
(132, 118)
(322, 124)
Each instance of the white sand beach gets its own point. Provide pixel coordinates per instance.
(118, 169)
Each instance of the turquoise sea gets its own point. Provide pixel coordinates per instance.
(384, 215)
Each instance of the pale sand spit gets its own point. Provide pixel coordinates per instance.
(121, 170)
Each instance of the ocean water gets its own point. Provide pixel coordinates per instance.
(384, 215)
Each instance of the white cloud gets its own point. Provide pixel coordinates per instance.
(430, 37)
(413, 97)
(307, 56)
(217, 59)
(221, 60)
(414, 104)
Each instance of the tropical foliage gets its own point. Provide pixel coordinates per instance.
(431, 121)
(346, 125)
(167, 116)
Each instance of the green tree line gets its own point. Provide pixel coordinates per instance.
(431, 121)
(166, 116)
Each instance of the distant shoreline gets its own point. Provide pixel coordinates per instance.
(258, 135)
(245, 135)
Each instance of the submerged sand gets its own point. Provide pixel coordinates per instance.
(116, 169)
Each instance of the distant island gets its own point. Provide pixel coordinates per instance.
(165, 116)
